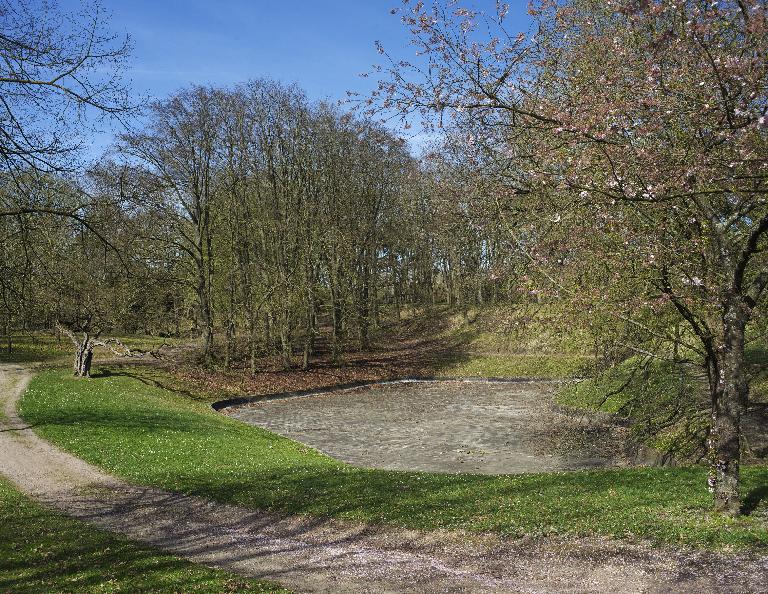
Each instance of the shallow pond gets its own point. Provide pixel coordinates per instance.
(443, 426)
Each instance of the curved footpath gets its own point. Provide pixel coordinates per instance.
(314, 555)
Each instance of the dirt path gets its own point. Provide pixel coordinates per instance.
(310, 555)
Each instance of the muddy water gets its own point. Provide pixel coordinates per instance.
(443, 426)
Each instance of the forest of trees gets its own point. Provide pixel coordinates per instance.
(254, 219)
(613, 161)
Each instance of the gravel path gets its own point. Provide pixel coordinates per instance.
(312, 555)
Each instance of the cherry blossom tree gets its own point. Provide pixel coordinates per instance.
(641, 122)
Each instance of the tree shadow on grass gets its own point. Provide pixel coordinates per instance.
(22, 428)
(79, 559)
(753, 499)
(147, 380)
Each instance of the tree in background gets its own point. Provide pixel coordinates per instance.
(181, 151)
(277, 207)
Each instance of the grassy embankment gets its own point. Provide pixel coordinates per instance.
(668, 403)
(42, 551)
(127, 425)
(520, 341)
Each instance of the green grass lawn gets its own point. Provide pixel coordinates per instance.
(42, 551)
(33, 348)
(150, 435)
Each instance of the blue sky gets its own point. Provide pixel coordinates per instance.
(323, 45)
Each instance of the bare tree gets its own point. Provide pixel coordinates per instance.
(85, 346)
(60, 75)
(181, 149)
(58, 71)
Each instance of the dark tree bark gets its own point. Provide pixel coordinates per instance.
(364, 309)
(286, 339)
(337, 313)
(729, 392)
(8, 336)
(311, 329)
(206, 312)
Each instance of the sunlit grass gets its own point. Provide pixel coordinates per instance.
(34, 347)
(549, 366)
(150, 435)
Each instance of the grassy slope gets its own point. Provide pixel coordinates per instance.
(520, 341)
(668, 403)
(662, 380)
(41, 551)
(548, 366)
(153, 436)
(665, 402)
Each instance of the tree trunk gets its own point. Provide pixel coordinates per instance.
(729, 392)
(286, 340)
(83, 357)
(395, 285)
(8, 334)
(206, 318)
(364, 312)
(374, 300)
(398, 300)
(479, 291)
(230, 323)
(268, 334)
(230, 346)
(337, 313)
(309, 338)
(448, 274)
(252, 342)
